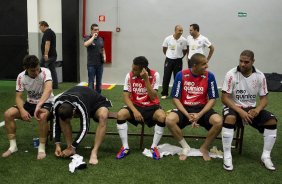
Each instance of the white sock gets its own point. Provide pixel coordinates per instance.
(227, 137)
(13, 145)
(157, 135)
(269, 140)
(184, 144)
(122, 130)
(41, 147)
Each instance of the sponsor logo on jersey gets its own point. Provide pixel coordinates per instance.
(213, 88)
(34, 95)
(140, 98)
(192, 89)
(186, 75)
(229, 82)
(190, 97)
(191, 103)
(242, 95)
(138, 88)
(178, 88)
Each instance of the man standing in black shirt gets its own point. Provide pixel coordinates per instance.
(48, 50)
(96, 57)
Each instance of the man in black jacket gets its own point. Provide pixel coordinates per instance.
(84, 103)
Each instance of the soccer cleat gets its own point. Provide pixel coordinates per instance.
(267, 163)
(163, 97)
(227, 164)
(123, 152)
(156, 153)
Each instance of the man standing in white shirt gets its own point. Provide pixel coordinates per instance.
(197, 42)
(174, 48)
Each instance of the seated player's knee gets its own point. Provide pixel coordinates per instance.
(271, 122)
(9, 115)
(44, 116)
(102, 114)
(217, 121)
(103, 117)
(161, 116)
(122, 114)
(230, 119)
(171, 119)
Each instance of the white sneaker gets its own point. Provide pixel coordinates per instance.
(227, 164)
(163, 97)
(268, 163)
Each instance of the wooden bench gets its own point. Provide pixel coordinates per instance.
(238, 138)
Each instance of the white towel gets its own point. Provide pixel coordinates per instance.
(168, 149)
(76, 163)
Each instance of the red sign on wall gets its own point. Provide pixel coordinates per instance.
(107, 37)
(102, 18)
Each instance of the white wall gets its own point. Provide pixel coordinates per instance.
(49, 11)
(32, 16)
(144, 25)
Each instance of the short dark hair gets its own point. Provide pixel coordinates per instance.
(195, 59)
(93, 25)
(43, 23)
(142, 62)
(195, 27)
(30, 61)
(65, 111)
(248, 53)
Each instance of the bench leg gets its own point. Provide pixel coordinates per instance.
(241, 140)
(237, 140)
(142, 136)
(50, 132)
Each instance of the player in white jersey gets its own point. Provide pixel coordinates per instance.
(197, 42)
(242, 85)
(37, 82)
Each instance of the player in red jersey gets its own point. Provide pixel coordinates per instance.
(142, 105)
(194, 94)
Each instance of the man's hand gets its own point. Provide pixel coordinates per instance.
(246, 117)
(191, 117)
(94, 35)
(138, 116)
(144, 74)
(68, 152)
(253, 112)
(194, 119)
(45, 57)
(195, 125)
(38, 111)
(58, 150)
(25, 115)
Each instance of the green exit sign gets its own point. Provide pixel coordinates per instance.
(242, 14)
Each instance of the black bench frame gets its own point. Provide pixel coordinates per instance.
(239, 134)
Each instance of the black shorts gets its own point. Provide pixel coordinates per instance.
(30, 108)
(146, 112)
(106, 104)
(257, 122)
(203, 121)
